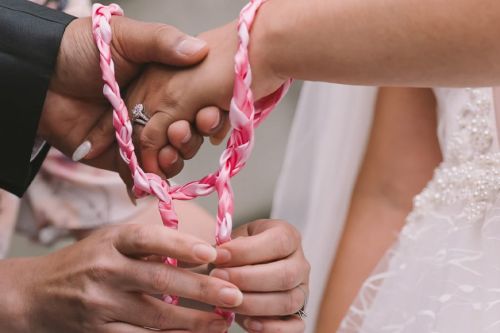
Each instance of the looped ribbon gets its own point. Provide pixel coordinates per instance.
(245, 115)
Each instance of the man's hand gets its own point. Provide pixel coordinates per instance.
(75, 109)
(104, 284)
(266, 262)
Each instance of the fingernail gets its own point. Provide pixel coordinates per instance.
(253, 325)
(190, 46)
(223, 256)
(231, 297)
(220, 274)
(186, 138)
(82, 151)
(216, 122)
(218, 326)
(204, 252)
(176, 158)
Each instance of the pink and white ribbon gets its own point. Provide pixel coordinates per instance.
(245, 115)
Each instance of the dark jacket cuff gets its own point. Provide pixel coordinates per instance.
(30, 36)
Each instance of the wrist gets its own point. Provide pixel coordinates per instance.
(77, 69)
(14, 305)
(265, 59)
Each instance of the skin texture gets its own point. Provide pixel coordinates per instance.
(109, 290)
(382, 42)
(75, 109)
(106, 291)
(265, 261)
(403, 142)
(353, 42)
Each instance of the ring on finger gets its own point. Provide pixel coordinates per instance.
(302, 312)
(139, 115)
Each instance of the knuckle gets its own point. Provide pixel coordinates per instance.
(284, 245)
(200, 322)
(237, 278)
(294, 301)
(203, 286)
(146, 140)
(160, 279)
(165, 32)
(92, 302)
(292, 232)
(161, 319)
(141, 237)
(289, 276)
(101, 269)
(307, 267)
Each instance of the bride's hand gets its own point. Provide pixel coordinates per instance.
(170, 94)
(102, 285)
(266, 261)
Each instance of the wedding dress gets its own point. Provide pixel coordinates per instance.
(443, 274)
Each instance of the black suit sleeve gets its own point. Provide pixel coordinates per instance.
(30, 36)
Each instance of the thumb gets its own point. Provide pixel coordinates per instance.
(142, 42)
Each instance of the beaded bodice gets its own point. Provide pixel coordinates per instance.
(469, 176)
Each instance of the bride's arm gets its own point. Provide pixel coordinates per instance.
(376, 42)
(382, 42)
(400, 158)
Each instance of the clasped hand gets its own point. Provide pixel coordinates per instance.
(185, 84)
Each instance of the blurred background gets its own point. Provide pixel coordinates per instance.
(254, 186)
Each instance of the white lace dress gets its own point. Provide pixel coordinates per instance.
(443, 275)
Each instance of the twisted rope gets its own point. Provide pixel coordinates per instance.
(244, 114)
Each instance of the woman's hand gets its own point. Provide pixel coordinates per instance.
(103, 284)
(266, 261)
(170, 94)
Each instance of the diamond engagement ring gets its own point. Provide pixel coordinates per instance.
(302, 312)
(139, 116)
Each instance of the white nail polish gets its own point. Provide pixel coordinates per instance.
(82, 151)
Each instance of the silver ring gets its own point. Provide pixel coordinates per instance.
(302, 312)
(139, 115)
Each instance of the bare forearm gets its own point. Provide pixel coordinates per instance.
(382, 42)
(400, 158)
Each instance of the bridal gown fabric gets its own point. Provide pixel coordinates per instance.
(325, 150)
(443, 273)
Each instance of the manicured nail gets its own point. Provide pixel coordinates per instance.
(253, 325)
(190, 46)
(204, 252)
(218, 326)
(82, 151)
(187, 137)
(231, 297)
(216, 122)
(223, 256)
(176, 158)
(220, 274)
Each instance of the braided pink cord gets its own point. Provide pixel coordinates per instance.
(244, 114)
